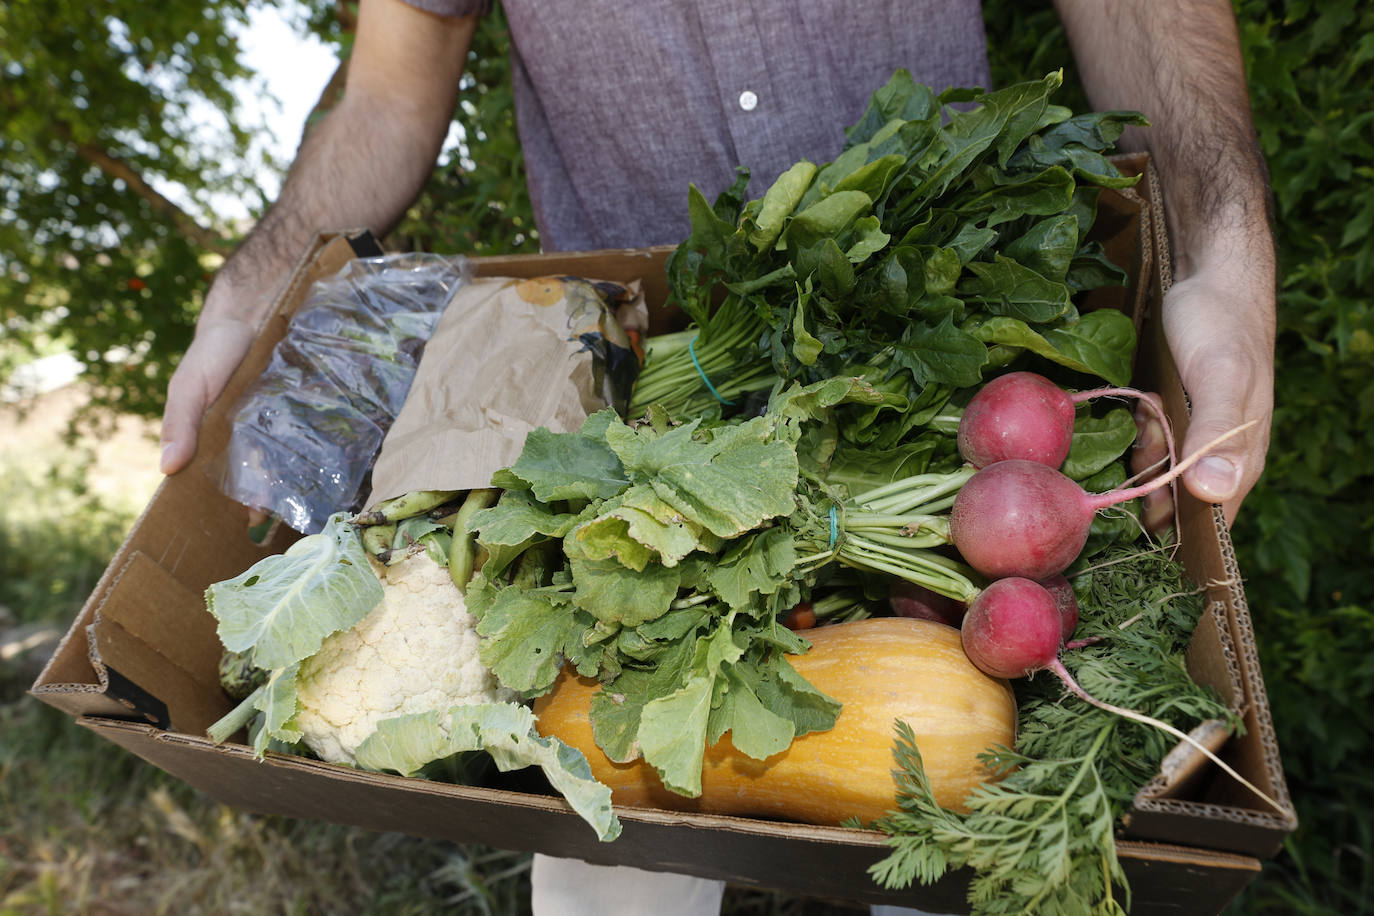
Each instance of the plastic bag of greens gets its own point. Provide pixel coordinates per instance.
(305, 434)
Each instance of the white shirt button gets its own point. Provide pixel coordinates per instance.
(748, 100)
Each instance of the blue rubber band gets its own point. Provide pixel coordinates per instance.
(834, 527)
(692, 352)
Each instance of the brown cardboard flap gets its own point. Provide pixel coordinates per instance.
(159, 642)
(800, 859)
(1259, 752)
(1209, 807)
(186, 637)
(151, 652)
(188, 537)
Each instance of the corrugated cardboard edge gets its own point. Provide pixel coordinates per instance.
(171, 534)
(1232, 817)
(803, 859)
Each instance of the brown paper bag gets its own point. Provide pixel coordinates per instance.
(508, 356)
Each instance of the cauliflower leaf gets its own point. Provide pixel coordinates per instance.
(506, 731)
(283, 606)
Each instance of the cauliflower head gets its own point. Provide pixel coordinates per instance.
(415, 652)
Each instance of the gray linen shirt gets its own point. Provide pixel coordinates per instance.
(621, 105)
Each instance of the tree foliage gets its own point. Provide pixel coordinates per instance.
(120, 136)
(111, 152)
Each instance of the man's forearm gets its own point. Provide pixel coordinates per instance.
(359, 168)
(367, 160)
(1179, 62)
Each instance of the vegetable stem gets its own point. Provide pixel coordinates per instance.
(913, 494)
(918, 566)
(236, 718)
(462, 550)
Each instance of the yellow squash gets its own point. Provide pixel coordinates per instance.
(882, 670)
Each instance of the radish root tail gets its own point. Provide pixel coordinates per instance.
(1063, 674)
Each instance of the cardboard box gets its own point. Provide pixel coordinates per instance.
(138, 666)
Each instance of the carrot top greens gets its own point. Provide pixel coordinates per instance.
(1043, 839)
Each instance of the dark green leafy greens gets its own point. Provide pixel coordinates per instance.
(659, 557)
(947, 239)
(664, 579)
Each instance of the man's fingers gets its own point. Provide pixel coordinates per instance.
(215, 352)
(1228, 470)
(181, 417)
(1226, 474)
(1151, 455)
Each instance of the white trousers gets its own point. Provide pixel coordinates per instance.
(571, 887)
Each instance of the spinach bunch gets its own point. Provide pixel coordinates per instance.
(947, 239)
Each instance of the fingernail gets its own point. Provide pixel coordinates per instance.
(1217, 476)
(168, 450)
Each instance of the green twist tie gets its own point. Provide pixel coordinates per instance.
(692, 352)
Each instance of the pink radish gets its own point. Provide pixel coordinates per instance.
(1027, 416)
(1022, 518)
(1066, 602)
(907, 599)
(1017, 415)
(1012, 629)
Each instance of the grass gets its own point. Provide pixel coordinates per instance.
(91, 829)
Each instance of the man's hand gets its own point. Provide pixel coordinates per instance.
(1220, 332)
(1179, 62)
(217, 349)
(1225, 361)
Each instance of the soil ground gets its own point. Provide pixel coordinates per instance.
(123, 472)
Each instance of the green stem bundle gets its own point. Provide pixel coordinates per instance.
(895, 529)
(681, 369)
